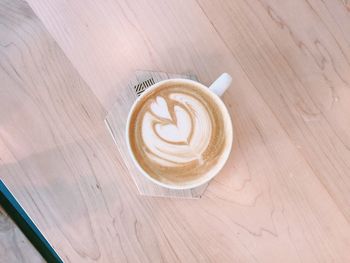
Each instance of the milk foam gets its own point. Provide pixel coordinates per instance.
(177, 138)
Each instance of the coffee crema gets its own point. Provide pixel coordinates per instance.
(177, 133)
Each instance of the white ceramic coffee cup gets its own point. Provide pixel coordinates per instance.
(215, 90)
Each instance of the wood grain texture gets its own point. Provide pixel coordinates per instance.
(302, 72)
(115, 121)
(277, 199)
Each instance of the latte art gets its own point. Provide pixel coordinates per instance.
(177, 133)
(176, 130)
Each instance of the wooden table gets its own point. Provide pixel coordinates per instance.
(284, 195)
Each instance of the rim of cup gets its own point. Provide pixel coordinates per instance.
(224, 156)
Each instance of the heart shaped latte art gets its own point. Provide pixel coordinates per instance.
(176, 130)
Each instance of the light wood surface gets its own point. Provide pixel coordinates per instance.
(283, 196)
(115, 122)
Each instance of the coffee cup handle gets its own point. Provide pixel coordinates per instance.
(221, 84)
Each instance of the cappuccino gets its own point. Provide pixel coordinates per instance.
(178, 133)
